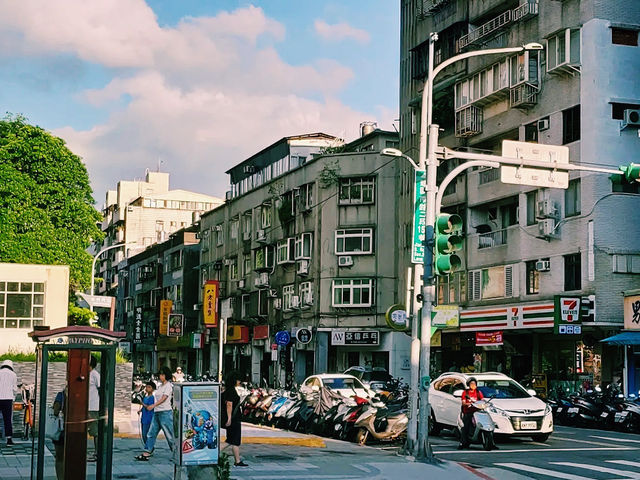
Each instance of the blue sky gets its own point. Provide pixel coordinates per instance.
(195, 84)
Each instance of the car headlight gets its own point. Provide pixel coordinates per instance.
(497, 411)
(547, 410)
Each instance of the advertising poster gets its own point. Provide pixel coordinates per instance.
(199, 424)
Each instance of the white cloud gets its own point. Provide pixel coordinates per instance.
(341, 31)
(200, 96)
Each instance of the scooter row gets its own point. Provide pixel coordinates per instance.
(327, 413)
(608, 409)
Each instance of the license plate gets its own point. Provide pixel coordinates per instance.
(604, 414)
(573, 410)
(559, 410)
(528, 425)
(621, 416)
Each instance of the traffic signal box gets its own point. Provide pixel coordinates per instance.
(448, 240)
(631, 172)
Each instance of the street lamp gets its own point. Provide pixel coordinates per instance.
(95, 259)
(429, 162)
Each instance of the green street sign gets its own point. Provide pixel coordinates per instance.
(419, 218)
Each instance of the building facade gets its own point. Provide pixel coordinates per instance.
(31, 296)
(307, 240)
(524, 245)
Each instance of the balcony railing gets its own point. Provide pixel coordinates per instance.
(426, 7)
(523, 12)
(468, 121)
(523, 96)
(487, 176)
(492, 239)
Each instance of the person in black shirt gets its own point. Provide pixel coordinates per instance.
(230, 416)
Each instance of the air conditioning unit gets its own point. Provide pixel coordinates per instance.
(631, 118)
(273, 293)
(262, 280)
(543, 265)
(345, 261)
(241, 284)
(545, 209)
(246, 236)
(303, 267)
(228, 195)
(277, 303)
(295, 301)
(261, 236)
(546, 227)
(543, 124)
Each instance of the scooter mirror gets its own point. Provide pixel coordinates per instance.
(532, 392)
(458, 393)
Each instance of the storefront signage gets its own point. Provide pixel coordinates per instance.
(137, 328)
(567, 315)
(436, 338)
(210, 303)
(176, 325)
(419, 218)
(358, 337)
(489, 338)
(632, 312)
(196, 340)
(165, 310)
(237, 334)
(283, 338)
(444, 316)
(397, 318)
(261, 332)
(303, 335)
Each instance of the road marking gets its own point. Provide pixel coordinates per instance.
(596, 468)
(616, 439)
(590, 442)
(542, 471)
(538, 444)
(525, 450)
(628, 463)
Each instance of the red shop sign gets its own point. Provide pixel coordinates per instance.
(489, 338)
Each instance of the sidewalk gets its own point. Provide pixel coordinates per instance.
(271, 455)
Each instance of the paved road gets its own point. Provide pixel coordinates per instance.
(570, 453)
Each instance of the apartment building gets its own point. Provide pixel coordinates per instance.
(307, 240)
(525, 245)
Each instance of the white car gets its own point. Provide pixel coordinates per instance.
(515, 411)
(345, 385)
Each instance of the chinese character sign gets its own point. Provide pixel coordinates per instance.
(137, 326)
(210, 303)
(632, 312)
(165, 310)
(419, 219)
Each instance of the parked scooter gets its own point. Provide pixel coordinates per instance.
(482, 425)
(382, 424)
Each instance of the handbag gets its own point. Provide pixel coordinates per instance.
(54, 426)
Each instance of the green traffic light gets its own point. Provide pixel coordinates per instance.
(448, 244)
(447, 241)
(446, 223)
(447, 264)
(631, 172)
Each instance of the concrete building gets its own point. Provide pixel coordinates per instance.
(143, 213)
(31, 296)
(524, 246)
(307, 239)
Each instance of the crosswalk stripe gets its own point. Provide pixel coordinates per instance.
(616, 439)
(542, 471)
(597, 468)
(628, 463)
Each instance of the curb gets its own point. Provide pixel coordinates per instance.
(311, 442)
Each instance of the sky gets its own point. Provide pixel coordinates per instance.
(194, 87)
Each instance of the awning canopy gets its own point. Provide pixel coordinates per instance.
(624, 338)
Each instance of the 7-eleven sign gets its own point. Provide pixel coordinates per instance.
(570, 309)
(567, 315)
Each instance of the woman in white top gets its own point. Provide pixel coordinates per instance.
(8, 390)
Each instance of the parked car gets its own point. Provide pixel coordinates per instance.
(515, 410)
(377, 379)
(345, 385)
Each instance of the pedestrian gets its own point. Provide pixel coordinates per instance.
(94, 406)
(178, 376)
(58, 444)
(8, 390)
(162, 415)
(469, 396)
(147, 415)
(230, 416)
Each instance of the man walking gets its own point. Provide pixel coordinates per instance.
(8, 390)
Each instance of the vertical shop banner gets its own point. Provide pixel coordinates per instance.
(632, 312)
(567, 315)
(210, 303)
(137, 329)
(419, 218)
(165, 310)
(176, 325)
(489, 338)
(198, 424)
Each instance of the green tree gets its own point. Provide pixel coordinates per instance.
(46, 208)
(80, 316)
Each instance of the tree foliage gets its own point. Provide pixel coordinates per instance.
(80, 316)
(46, 208)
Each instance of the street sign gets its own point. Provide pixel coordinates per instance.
(176, 325)
(419, 218)
(283, 338)
(397, 317)
(303, 335)
(536, 177)
(99, 301)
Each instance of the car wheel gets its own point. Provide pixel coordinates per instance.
(540, 437)
(434, 427)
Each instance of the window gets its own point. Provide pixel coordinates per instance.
(626, 263)
(266, 216)
(233, 269)
(287, 293)
(493, 282)
(533, 278)
(306, 293)
(571, 125)
(452, 289)
(246, 268)
(173, 261)
(356, 241)
(219, 235)
(572, 272)
(509, 215)
(233, 229)
(178, 294)
(264, 257)
(21, 304)
(159, 226)
(532, 201)
(563, 49)
(353, 292)
(617, 109)
(286, 250)
(572, 199)
(357, 190)
(303, 247)
(305, 196)
(531, 132)
(618, 185)
(246, 223)
(624, 36)
(245, 306)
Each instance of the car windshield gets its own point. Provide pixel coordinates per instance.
(376, 377)
(502, 389)
(342, 382)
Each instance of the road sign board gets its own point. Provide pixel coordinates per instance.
(303, 335)
(283, 338)
(100, 301)
(536, 177)
(419, 218)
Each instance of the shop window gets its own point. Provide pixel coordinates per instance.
(355, 241)
(572, 199)
(572, 272)
(354, 191)
(624, 36)
(356, 292)
(571, 125)
(533, 278)
(532, 201)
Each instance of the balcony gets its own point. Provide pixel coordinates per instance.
(487, 176)
(468, 121)
(523, 12)
(523, 96)
(427, 7)
(492, 239)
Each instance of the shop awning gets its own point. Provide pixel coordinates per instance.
(624, 338)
